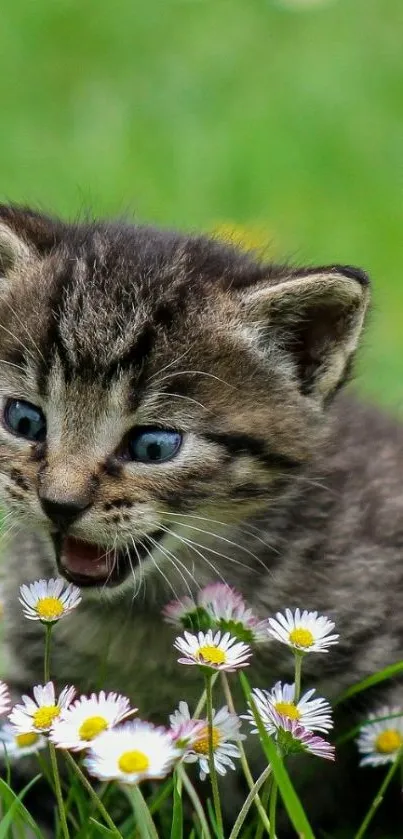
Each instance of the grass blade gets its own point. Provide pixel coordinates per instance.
(17, 809)
(387, 673)
(290, 798)
(177, 815)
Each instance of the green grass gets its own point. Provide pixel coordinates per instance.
(189, 112)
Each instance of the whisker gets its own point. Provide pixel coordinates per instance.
(228, 541)
(11, 364)
(18, 341)
(175, 361)
(179, 396)
(246, 529)
(188, 543)
(160, 571)
(172, 559)
(196, 373)
(138, 584)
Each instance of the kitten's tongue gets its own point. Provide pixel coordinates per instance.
(83, 560)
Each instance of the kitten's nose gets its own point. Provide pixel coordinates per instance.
(64, 513)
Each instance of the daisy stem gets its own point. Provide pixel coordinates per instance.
(48, 635)
(202, 701)
(52, 750)
(58, 791)
(213, 774)
(244, 761)
(195, 801)
(272, 811)
(297, 679)
(248, 803)
(265, 803)
(377, 800)
(93, 795)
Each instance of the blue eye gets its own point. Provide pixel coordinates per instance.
(25, 420)
(153, 445)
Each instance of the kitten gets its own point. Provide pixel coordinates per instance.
(170, 416)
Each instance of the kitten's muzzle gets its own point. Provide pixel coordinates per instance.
(63, 513)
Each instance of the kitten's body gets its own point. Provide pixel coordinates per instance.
(293, 503)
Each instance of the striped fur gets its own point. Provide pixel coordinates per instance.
(282, 488)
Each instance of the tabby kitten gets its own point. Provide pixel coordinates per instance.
(168, 419)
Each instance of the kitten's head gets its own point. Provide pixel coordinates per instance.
(152, 382)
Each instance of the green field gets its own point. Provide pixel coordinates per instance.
(200, 111)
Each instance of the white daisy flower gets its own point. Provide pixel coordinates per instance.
(312, 714)
(46, 601)
(16, 745)
(5, 701)
(226, 735)
(306, 632)
(132, 753)
(183, 729)
(293, 738)
(217, 652)
(87, 718)
(381, 740)
(229, 612)
(40, 713)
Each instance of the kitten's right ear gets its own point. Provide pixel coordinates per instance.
(24, 234)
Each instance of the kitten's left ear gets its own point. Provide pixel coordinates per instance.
(315, 316)
(24, 234)
(14, 252)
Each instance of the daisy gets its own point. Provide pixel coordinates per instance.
(5, 701)
(381, 740)
(132, 753)
(217, 652)
(187, 614)
(226, 734)
(312, 714)
(87, 718)
(229, 612)
(39, 714)
(304, 632)
(183, 729)
(293, 738)
(46, 601)
(19, 745)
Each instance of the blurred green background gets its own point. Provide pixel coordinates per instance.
(199, 112)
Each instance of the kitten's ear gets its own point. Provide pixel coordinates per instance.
(316, 316)
(24, 234)
(13, 251)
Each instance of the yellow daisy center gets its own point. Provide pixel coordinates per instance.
(211, 655)
(288, 709)
(133, 761)
(43, 717)
(301, 637)
(24, 740)
(91, 727)
(49, 608)
(201, 744)
(389, 741)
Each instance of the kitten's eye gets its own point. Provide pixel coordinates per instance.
(25, 420)
(153, 445)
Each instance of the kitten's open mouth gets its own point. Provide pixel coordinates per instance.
(87, 564)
